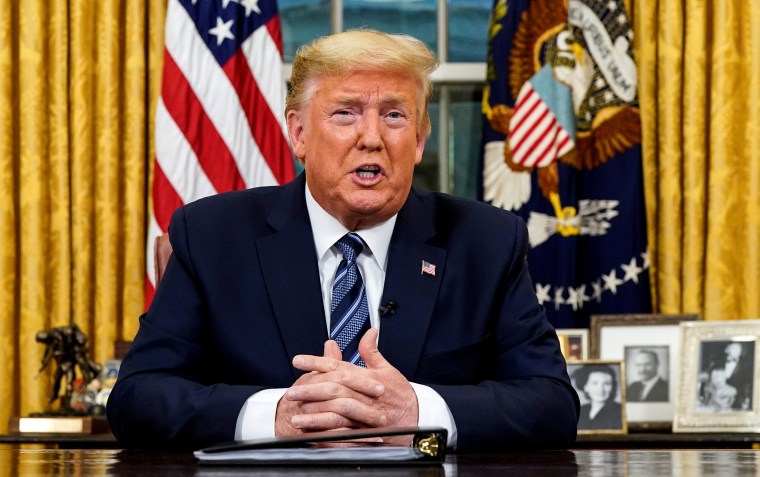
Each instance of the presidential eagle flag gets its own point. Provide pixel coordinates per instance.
(220, 122)
(562, 149)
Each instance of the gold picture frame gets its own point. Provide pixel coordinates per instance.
(588, 377)
(650, 346)
(718, 389)
(573, 342)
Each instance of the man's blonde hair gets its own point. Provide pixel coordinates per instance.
(361, 50)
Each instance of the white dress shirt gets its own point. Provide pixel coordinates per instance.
(256, 418)
(647, 386)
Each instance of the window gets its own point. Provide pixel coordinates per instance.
(457, 31)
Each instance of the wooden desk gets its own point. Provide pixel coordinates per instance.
(591, 463)
(64, 441)
(667, 440)
(638, 440)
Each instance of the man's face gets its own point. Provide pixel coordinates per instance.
(645, 366)
(733, 351)
(359, 140)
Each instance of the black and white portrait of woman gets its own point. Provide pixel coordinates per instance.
(599, 389)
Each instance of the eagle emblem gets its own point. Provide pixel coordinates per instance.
(574, 79)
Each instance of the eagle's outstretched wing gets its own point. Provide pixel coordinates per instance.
(614, 130)
(539, 23)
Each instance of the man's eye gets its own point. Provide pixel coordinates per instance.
(395, 115)
(344, 116)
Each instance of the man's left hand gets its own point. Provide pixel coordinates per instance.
(397, 402)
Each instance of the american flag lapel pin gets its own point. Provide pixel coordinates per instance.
(428, 268)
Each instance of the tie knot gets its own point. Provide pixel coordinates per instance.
(350, 246)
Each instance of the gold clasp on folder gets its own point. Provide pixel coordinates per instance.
(427, 444)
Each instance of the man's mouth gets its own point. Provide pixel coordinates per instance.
(367, 172)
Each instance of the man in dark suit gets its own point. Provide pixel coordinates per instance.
(236, 341)
(737, 363)
(650, 387)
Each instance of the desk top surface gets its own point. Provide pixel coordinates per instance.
(606, 463)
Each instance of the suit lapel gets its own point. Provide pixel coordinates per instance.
(402, 335)
(289, 267)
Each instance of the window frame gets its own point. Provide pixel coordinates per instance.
(448, 74)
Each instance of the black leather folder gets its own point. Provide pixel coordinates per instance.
(353, 447)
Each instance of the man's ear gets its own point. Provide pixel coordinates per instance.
(420, 148)
(296, 133)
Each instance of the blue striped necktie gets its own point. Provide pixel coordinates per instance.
(349, 311)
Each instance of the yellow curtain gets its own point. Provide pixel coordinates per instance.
(74, 145)
(699, 70)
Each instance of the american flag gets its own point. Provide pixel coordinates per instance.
(537, 135)
(428, 268)
(219, 120)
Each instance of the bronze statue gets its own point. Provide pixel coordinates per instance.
(67, 346)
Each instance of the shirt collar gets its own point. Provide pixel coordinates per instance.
(651, 380)
(328, 230)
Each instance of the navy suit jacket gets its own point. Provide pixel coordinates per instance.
(241, 296)
(658, 393)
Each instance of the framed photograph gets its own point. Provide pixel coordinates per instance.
(600, 385)
(573, 343)
(650, 346)
(719, 392)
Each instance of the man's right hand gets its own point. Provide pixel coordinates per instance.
(324, 403)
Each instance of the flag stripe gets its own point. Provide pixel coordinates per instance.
(274, 27)
(533, 133)
(189, 115)
(220, 120)
(523, 111)
(263, 125)
(546, 151)
(216, 94)
(536, 137)
(262, 52)
(565, 144)
(532, 128)
(539, 146)
(176, 157)
(169, 200)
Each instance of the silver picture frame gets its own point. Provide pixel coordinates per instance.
(650, 346)
(719, 391)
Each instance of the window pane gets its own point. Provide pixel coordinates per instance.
(465, 131)
(426, 172)
(468, 30)
(413, 17)
(302, 21)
